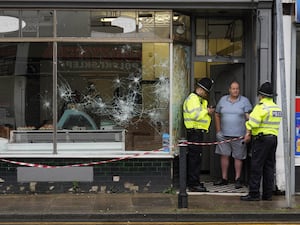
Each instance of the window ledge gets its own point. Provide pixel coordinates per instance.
(88, 154)
(111, 150)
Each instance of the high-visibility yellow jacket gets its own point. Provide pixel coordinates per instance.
(265, 118)
(195, 113)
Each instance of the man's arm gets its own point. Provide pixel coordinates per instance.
(218, 122)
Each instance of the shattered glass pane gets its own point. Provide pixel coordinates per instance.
(107, 82)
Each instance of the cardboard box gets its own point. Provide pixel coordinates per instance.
(4, 132)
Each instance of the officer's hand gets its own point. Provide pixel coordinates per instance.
(247, 138)
(211, 110)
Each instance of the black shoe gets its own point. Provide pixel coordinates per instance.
(238, 184)
(198, 189)
(221, 182)
(264, 198)
(249, 198)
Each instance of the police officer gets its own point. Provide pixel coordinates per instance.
(197, 119)
(263, 126)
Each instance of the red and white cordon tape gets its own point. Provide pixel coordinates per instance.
(211, 143)
(116, 159)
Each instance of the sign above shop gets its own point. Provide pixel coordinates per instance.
(297, 126)
(297, 10)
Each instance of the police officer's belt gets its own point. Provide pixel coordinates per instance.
(192, 130)
(262, 135)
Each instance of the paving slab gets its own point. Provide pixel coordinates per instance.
(143, 207)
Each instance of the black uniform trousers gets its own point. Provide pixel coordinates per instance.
(194, 157)
(262, 165)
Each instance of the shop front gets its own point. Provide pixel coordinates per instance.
(91, 93)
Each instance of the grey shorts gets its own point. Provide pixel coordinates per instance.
(236, 148)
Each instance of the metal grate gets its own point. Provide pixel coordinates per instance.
(36, 136)
(225, 188)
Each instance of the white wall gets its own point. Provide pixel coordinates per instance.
(280, 167)
(288, 1)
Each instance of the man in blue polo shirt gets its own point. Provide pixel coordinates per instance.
(231, 113)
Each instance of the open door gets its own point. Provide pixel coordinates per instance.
(223, 75)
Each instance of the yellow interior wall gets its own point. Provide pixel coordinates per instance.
(200, 70)
(155, 60)
(148, 61)
(162, 62)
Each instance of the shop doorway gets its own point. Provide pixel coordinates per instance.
(219, 47)
(223, 75)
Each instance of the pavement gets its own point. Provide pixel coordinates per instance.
(151, 207)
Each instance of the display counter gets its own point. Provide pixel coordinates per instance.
(71, 144)
(68, 141)
(68, 136)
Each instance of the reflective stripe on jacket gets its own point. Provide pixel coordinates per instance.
(265, 118)
(195, 113)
